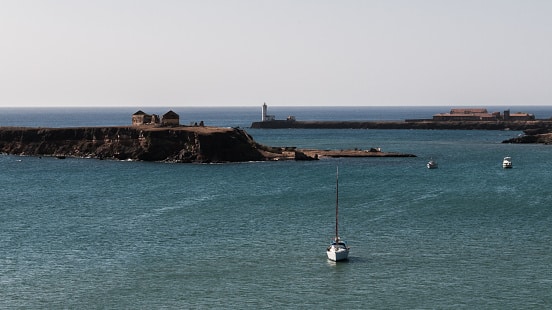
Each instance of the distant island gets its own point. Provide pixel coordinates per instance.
(154, 138)
(468, 118)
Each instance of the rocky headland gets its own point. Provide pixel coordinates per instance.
(186, 144)
(541, 135)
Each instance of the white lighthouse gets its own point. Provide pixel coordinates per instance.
(265, 117)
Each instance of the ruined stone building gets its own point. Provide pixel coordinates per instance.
(170, 119)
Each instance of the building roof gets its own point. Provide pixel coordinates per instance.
(453, 115)
(469, 111)
(170, 115)
(139, 112)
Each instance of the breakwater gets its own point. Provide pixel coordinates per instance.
(408, 124)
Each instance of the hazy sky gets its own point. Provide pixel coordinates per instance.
(174, 53)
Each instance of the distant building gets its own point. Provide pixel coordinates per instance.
(519, 116)
(465, 115)
(141, 118)
(170, 119)
(480, 114)
(469, 111)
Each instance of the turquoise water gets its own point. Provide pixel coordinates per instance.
(82, 233)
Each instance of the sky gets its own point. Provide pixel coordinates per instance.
(178, 53)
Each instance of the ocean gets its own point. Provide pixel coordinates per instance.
(86, 233)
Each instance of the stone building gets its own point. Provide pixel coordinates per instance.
(465, 115)
(170, 119)
(478, 114)
(519, 116)
(141, 118)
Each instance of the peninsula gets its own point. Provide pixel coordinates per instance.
(174, 143)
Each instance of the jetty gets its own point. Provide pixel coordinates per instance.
(407, 124)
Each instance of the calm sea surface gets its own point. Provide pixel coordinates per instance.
(84, 233)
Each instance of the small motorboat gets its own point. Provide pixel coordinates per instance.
(431, 164)
(507, 162)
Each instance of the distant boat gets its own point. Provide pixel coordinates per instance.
(431, 164)
(338, 249)
(507, 162)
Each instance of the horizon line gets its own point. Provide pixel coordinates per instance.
(260, 105)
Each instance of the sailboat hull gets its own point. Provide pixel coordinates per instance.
(337, 253)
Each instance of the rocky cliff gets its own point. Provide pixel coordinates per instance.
(544, 138)
(146, 143)
(533, 135)
(176, 144)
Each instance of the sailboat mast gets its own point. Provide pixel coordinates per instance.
(336, 202)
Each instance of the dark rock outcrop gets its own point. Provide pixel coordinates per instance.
(544, 138)
(176, 144)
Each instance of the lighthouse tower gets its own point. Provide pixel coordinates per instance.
(263, 118)
(266, 117)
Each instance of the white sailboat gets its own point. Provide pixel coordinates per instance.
(338, 249)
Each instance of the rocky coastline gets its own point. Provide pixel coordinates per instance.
(183, 144)
(537, 136)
